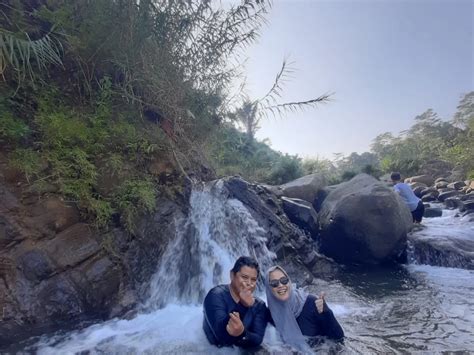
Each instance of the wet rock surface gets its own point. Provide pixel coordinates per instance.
(56, 271)
(291, 244)
(364, 221)
(447, 251)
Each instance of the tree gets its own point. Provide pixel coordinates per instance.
(250, 113)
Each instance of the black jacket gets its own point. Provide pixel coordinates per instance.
(217, 306)
(313, 323)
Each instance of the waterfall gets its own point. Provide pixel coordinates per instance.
(217, 231)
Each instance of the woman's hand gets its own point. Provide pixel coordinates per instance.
(320, 303)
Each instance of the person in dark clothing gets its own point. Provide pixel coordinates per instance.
(297, 314)
(232, 315)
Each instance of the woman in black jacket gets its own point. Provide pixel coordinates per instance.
(297, 314)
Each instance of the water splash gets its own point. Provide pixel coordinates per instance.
(217, 231)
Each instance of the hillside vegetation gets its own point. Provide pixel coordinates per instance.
(112, 102)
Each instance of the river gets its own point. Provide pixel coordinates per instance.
(406, 309)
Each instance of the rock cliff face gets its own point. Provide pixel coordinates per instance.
(56, 270)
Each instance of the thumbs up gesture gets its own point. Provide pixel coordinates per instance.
(320, 303)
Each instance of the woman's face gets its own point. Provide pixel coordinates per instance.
(281, 292)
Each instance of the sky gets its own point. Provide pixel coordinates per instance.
(386, 61)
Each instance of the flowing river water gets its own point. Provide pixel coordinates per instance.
(409, 309)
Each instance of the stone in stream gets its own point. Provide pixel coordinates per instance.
(456, 185)
(444, 195)
(418, 189)
(429, 190)
(432, 212)
(444, 251)
(429, 197)
(364, 221)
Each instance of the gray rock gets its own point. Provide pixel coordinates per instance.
(442, 250)
(424, 179)
(35, 265)
(417, 190)
(446, 194)
(429, 197)
(72, 246)
(441, 184)
(440, 179)
(302, 214)
(304, 188)
(414, 185)
(467, 205)
(429, 190)
(364, 221)
(452, 202)
(431, 212)
(456, 185)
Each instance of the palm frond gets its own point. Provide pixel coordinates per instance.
(270, 98)
(21, 54)
(283, 108)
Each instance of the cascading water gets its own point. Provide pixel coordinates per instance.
(217, 232)
(444, 241)
(413, 308)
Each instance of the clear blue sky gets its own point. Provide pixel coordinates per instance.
(386, 60)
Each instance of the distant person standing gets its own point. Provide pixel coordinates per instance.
(414, 203)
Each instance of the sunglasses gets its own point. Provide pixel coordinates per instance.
(274, 283)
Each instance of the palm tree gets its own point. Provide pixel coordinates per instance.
(251, 112)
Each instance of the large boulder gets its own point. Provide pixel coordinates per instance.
(424, 179)
(364, 221)
(301, 213)
(305, 188)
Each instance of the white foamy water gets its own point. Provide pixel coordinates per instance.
(448, 225)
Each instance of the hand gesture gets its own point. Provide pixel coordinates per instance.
(235, 326)
(320, 303)
(246, 298)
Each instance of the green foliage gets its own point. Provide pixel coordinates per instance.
(27, 160)
(347, 175)
(251, 112)
(232, 153)
(12, 129)
(135, 197)
(430, 138)
(285, 169)
(325, 167)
